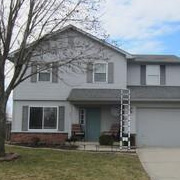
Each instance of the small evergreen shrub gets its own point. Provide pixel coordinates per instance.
(106, 140)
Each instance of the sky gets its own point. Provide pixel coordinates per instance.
(144, 26)
(141, 26)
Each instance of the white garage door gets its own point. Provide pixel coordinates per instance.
(158, 127)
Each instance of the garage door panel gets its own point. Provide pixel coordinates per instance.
(158, 127)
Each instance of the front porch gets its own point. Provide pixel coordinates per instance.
(101, 112)
(94, 121)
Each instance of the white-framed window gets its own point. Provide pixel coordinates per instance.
(100, 72)
(82, 116)
(45, 75)
(43, 118)
(153, 74)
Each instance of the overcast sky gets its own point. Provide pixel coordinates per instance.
(144, 26)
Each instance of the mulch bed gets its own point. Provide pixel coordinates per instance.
(62, 146)
(10, 157)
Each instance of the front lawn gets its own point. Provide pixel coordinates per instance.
(43, 164)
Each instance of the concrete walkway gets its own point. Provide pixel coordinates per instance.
(161, 163)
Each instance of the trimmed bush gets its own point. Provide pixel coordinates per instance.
(106, 140)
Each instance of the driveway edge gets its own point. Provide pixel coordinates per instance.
(150, 174)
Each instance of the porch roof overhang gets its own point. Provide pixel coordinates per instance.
(138, 94)
(94, 96)
(155, 93)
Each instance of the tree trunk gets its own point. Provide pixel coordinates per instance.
(2, 127)
(2, 108)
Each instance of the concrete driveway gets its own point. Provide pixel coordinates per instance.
(161, 163)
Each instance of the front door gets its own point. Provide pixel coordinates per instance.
(93, 119)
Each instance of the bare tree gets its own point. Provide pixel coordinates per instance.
(24, 25)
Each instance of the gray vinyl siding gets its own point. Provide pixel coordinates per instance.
(18, 114)
(68, 80)
(171, 76)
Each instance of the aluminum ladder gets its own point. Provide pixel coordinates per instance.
(125, 119)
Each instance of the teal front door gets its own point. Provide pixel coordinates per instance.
(93, 120)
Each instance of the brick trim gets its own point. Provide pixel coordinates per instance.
(48, 138)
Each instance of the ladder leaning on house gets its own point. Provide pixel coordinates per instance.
(124, 118)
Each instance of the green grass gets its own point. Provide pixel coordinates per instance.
(43, 164)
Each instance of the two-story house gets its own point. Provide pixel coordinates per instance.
(50, 102)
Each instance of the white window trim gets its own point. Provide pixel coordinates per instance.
(106, 73)
(50, 69)
(156, 75)
(43, 130)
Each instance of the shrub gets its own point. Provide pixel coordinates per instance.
(72, 139)
(106, 140)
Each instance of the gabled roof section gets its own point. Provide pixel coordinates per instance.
(137, 58)
(103, 42)
(156, 58)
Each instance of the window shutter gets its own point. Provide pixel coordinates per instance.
(89, 73)
(143, 74)
(55, 72)
(25, 118)
(162, 74)
(110, 72)
(61, 118)
(34, 70)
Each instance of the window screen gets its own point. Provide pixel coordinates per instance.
(36, 114)
(100, 72)
(43, 118)
(153, 75)
(50, 118)
(44, 76)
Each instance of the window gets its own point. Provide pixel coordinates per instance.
(45, 75)
(82, 116)
(43, 118)
(153, 75)
(100, 72)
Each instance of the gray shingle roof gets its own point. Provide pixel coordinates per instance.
(94, 95)
(138, 93)
(157, 58)
(155, 93)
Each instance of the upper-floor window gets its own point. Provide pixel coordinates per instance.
(43, 118)
(100, 72)
(153, 74)
(44, 75)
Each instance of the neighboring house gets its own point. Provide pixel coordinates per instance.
(46, 106)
